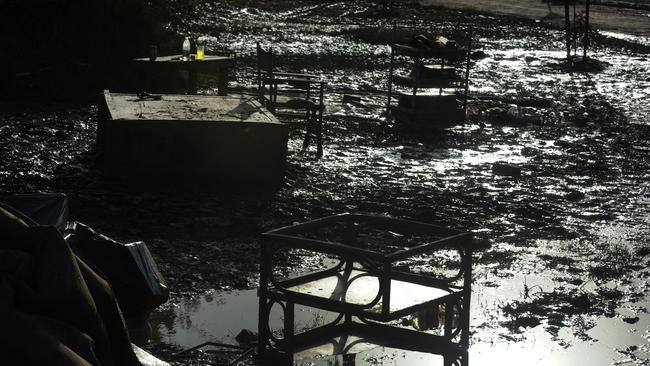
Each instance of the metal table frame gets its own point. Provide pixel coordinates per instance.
(371, 318)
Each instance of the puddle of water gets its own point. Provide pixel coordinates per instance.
(220, 317)
(614, 342)
(376, 357)
(572, 176)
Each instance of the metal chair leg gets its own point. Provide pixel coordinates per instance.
(308, 130)
(319, 135)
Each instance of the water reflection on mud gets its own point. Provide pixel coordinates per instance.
(570, 235)
(621, 338)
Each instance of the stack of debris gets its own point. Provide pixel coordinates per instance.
(65, 306)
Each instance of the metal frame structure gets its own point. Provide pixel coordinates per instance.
(371, 320)
(446, 56)
(571, 29)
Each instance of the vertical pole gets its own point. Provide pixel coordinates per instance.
(574, 32)
(385, 287)
(416, 85)
(260, 93)
(390, 78)
(442, 66)
(263, 316)
(467, 293)
(319, 149)
(469, 54)
(416, 77)
(311, 116)
(567, 29)
(586, 41)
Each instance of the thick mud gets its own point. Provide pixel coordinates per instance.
(570, 235)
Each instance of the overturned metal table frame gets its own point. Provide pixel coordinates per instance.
(347, 287)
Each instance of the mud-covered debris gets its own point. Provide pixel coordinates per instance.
(506, 169)
(246, 336)
(631, 320)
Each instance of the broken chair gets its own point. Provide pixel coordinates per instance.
(283, 92)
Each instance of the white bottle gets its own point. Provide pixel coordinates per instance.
(186, 49)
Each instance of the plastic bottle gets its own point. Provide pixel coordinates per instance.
(186, 49)
(200, 48)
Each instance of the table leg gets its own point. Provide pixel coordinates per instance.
(222, 81)
(263, 312)
(289, 330)
(191, 83)
(449, 318)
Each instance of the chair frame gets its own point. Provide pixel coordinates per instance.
(268, 81)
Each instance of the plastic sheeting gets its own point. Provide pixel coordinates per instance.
(49, 209)
(55, 310)
(130, 268)
(146, 359)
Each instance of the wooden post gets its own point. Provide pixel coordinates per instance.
(586, 39)
(567, 28)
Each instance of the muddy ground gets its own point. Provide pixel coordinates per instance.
(569, 236)
(606, 15)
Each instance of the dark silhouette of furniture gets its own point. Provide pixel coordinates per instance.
(368, 286)
(162, 74)
(283, 92)
(388, 5)
(428, 82)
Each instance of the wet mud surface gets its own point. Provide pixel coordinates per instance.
(569, 235)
